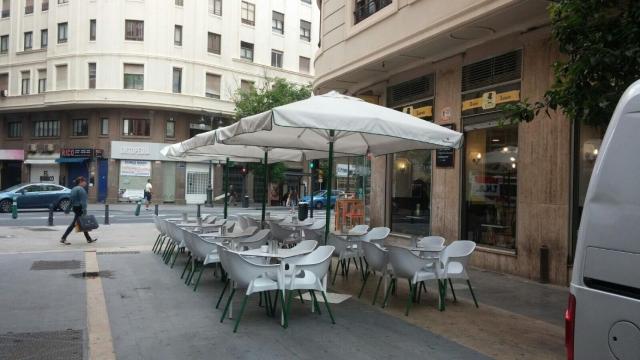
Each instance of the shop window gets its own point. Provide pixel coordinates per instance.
(136, 127)
(134, 30)
(411, 192)
(80, 127)
(14, 129)
(46, 128)
(491, 177)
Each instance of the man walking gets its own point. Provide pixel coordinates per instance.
(148, 189)
(78, 204)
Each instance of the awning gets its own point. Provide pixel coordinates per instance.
(71, 160)
(40, 161)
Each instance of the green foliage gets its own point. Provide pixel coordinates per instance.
(276, 171)
(601, 43)
(274, 92)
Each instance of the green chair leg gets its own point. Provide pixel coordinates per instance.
(442, 294)
(412, 291)
(156, 243)
(455, 299)
(287, 309)
(226, 307)
(326, 303)
(392, 284)
(375, 294)
(284, 310)
(315, 302)
(364, 282)
(226, 284)
(472, 294)
(275, 303)
(335, 273)
(185, 266)
(175, 258)
(244, 303)
(195, 287)
(300, 296)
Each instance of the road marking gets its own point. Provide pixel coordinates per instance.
(98, 327)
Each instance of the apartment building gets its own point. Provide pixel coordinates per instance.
(515, 189)
(97, 87)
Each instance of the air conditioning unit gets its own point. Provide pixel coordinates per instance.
(33, 148)
(4, 93)
(49, 148)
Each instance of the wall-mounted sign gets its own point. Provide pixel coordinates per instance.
(135, 168)
(76, 152)
(46, 177)
(445, 157)
(136, 151)
(446, 114)
(487, 100)
(421, 109)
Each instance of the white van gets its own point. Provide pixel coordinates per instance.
(603, 317)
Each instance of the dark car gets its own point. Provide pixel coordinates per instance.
(35, 195)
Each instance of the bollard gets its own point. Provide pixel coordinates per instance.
(50, 220)
(14, 208)
(155, 210)
(544, 264)
(106, 214)
(198, 214)
(139, 203)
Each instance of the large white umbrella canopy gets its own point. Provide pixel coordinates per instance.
(358, 128)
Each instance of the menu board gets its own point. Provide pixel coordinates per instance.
(445, 157)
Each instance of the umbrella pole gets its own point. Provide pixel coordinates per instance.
(328, 194)
(266, 187)
(226, 188)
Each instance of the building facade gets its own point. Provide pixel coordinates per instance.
(514, 189)
(97, 87)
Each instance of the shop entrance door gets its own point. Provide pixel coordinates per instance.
(169, 181)
(74, 170)
(196, 184)
(103, 176)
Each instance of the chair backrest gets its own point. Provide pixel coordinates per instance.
(306, 245)
(405, 263)
(256, 240)
(209, 219)
(317, 225)
(242, 222)
(338, 243)
(359, 228)
(220, 222)
(222, 255)
(156, 222)
(279, 232)
(243, 272)
(377, 234)
(460, 250)
(252, 222)
(230, 225)
(376, 256)
(182, 237)
(199, 247)
(317, 262)
(431, 241)
(250, 230)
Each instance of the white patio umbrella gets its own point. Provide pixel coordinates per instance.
(338, 123)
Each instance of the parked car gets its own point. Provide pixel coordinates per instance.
(319, 198)
(35, 195)
(603, 316)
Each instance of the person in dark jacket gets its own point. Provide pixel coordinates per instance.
(78, 204)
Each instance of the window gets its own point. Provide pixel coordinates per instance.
(136, 127)
(277, 22)
(14, 129)
(63, 1)
(46, 128)
(92, 75)
(213, 86)
(177, 35)
(4, 81)
(177, 80)
(61, 77)
(215, 7)
(248, 13)
(80, 127)
(28, 40)
(92, 30)
(170, 128)
(246, 85)
(305, 64)
(4, 44)
(305, 30)
(104, 126)
(42, 80)
(276, 58)
(366, 8)
(26, 82)
(28, 7)
(134, 30)
(179, 2)
(6, 8)
(411, 192)
(62, 32)
(306, 1)
(134, 76)
(214, 43)
(45, 5)
(44, 38)
(246, 50)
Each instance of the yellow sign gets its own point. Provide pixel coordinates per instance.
(370, 99)
(490, 99)
(421, 112)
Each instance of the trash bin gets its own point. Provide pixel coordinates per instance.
(245, 201)
(303, 210)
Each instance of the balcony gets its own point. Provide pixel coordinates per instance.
(28, 9)
(366, 8)
(6, 13)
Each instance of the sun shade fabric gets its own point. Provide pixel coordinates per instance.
(360, 128)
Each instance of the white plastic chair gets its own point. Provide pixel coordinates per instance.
(307, 273)
(249, 276)
(203, 252)
(255, 241)
(315, 231)
(242, 222)
(359, 229)
(377, 263)
(407, 265)
(252, 222)
(345, 252)
(377, 235)
(453, 264)
(283, 235)
(429, 241)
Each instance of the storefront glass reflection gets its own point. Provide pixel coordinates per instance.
(411, 192)
(491, 163)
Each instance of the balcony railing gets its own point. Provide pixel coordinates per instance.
(28, 9)
(6, 13)
(45, 6)
(366, 8)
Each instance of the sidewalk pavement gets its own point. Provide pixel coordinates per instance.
(154, 315)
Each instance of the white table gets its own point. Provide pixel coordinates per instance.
(432, 251)
(298, 226)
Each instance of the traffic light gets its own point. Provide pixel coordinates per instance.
(314, 165)
(243, 171)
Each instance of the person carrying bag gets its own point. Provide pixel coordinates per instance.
(78, 205)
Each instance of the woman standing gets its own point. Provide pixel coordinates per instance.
(78, 204)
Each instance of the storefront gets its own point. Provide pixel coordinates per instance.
(77, 162)
(11, 167)
(44, 168)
